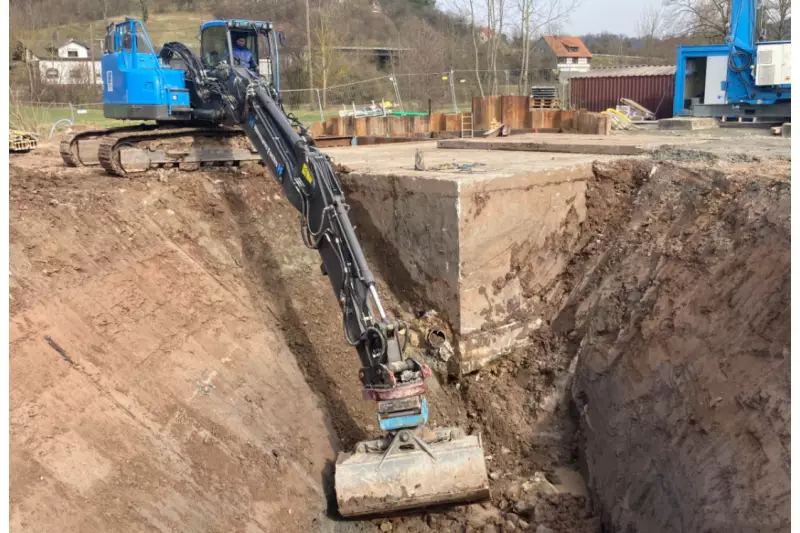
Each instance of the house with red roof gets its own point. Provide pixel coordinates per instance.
(562, 54)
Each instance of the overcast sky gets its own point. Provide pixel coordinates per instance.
(614, 16)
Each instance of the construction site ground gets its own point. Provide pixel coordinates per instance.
(178, 363)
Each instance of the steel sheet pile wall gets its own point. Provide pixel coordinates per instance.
(599, 93)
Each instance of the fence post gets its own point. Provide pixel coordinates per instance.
(453, 90)
(397, 92)
(319, 103)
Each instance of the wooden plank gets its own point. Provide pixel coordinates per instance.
(360, 127)
(437, 122)
(453, 122)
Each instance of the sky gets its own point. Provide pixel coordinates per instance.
(613, 16)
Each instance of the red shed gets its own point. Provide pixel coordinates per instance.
(601, 88)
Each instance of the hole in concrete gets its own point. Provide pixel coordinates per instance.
(436, 338)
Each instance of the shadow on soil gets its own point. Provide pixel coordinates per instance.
(273, 286)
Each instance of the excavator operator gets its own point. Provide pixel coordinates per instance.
(242, 54)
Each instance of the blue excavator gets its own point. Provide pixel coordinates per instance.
(226, 94)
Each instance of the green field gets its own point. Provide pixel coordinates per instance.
(41, 119)
(162, 28)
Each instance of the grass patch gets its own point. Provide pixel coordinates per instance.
(40, 119)
(162, 28)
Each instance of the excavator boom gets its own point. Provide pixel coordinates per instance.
(410, 466)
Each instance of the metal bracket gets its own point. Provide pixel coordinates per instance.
(406, 437)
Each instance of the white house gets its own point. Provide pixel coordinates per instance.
(68, 64)
(564, 54)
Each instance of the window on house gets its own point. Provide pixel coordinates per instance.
(572, 48)
(574, 59)
(77, 74)
(72, 53)
(51, 73)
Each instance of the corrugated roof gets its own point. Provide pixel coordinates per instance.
(560, 45)
(621, 72)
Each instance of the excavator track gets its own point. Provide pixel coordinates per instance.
(125, 152)
(70, 144)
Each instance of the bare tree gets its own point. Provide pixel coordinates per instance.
(778, 18)
(327, 37)
(495, 14)
(653, 25)
(707, 18)
(534, 16)
(475, 45)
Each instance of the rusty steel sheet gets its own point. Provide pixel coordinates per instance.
(600, 93)
(410, 478)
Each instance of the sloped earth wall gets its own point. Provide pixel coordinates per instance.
(682, 378)
(194, 377)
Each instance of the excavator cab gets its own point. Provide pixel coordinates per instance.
(241, 43)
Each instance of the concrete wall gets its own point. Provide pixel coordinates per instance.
(410, 228)
(484, 252)
(514, 238)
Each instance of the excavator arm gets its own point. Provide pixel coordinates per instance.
(312, 187)
(411, 466)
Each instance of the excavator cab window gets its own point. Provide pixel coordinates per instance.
(214, 45)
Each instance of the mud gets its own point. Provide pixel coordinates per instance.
(207, 386)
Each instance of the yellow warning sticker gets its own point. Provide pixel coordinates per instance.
(307, 174)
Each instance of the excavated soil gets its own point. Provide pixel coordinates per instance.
(177, 361)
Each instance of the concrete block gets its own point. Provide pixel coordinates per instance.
(688, 123)
(786, 130)
(484, 249)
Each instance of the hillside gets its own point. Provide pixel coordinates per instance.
(181, 26)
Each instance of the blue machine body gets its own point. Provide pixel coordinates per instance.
(140, 85)
(413, 420)
(737, 93)
(135, 83)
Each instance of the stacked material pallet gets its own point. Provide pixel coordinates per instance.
(21, 141)
(544, 97)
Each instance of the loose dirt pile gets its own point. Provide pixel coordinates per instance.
(196, 377)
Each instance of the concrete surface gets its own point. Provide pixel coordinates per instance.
(688, 123)
(456, 238)
(484, 246)
(723, 142)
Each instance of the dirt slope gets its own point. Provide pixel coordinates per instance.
(683, 313)
(166, 398)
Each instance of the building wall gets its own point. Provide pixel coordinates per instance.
(73, 51)
(63, 72)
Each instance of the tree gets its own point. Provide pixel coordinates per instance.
(651, 27)
(145, 13)
(329, 21)
(707, 18)
(495, 14)
(778, 19)
(535, 16)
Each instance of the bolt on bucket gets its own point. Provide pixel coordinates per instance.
(389, 475)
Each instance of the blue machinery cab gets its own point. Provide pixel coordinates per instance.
(139, 84)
